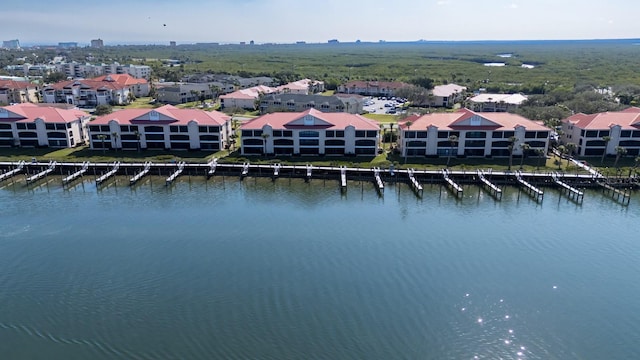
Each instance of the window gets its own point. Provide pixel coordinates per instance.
(309, 142)
(592, 133)
(31, 126)
(334, 142)
(247, 133)
(287, 133)
(50, 126)
(360, 133)
(149, 129)
(476, 135)
(410, 134)
(474, 143)
(603, 133)
(542, 134)
(308, 134)
(421, 134)
(93, 128)
(340, 133)
(277, 133)
(625, 133)
(330, 133)
(497, 135)
(21, 126)
(508, 134)
(365, 143)
(372, 133)
(530, 135)
(104, 128)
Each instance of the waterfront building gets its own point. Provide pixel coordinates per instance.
(496, 102)
(31, 125)
(106, 89)
(476, 133)
(166, 127)
(12, 91)
(601, 133)
(311, 132)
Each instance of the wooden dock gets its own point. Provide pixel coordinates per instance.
(40, 175)
(378, 179)
(571, 192)
(415, 185)
(175, 174)
(108, 174)
(531, 190)
(141, 174)
(245, 170)
(343, 177)
(494, 190)
(276, 170)
(77, 174)
(623, 197)
(9, 174)
(309, 171)
(452, 185)
(213, 164)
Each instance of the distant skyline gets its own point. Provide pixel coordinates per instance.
(288, 21)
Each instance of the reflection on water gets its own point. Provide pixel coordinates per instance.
(287, 269)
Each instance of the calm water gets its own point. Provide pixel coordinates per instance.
(289, 270)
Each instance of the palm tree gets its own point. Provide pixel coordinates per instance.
(540, 153)
(384, 131)
(620, 152)
(453, 140)
(525, 147)
(391, 125)
(606, 140)
(512, 144)
(562, 149)
(265, 136)
(404, 145)
(114, 137)
(571, 147)
(102, 138)
(137, 134)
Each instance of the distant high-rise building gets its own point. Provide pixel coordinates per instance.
(11, 44)
(97, 43)
(172, 43)
(67, 45)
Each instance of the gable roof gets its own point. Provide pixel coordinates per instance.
(296, 120)
(250, 93)
(30, 112)
(13, 84)
(627, 119)
(105, 82)
(465, 119)
(165, 115)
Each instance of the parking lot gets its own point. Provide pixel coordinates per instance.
(375, 105)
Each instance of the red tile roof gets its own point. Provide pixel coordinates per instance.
(108, 82)
(460, 120)
(295, 120)
(29, 112)
(166, 115)
(12, 84)
(628, 119)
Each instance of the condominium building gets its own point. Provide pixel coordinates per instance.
(601, 133)
(31, 125)
(166, 127)
(311, 132)
(468, 133)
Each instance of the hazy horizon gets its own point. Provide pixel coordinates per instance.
(289, 21)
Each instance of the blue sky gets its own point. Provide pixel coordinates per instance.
(142, 21)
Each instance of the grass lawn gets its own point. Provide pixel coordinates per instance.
(382, 118)
(139, 103)
(328, 93)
